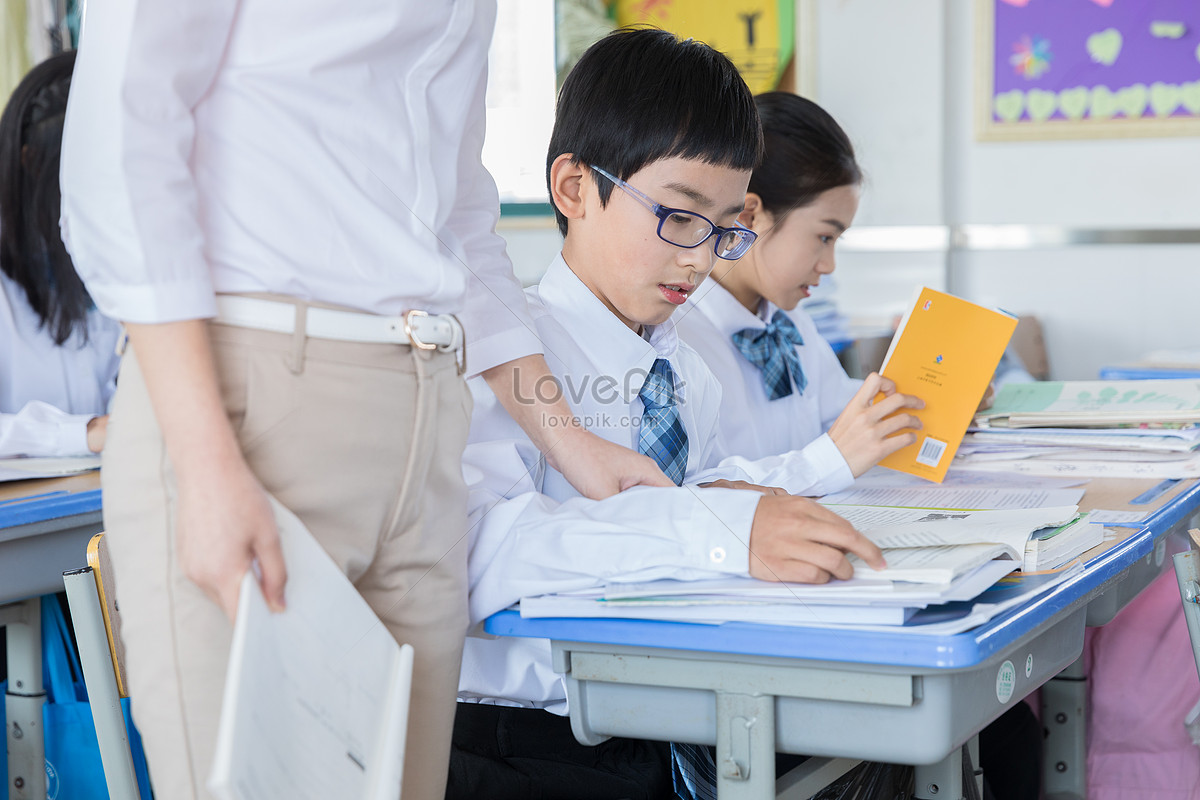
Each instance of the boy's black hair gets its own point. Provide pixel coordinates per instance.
(32, 253)
(807, 154)
(642, 94)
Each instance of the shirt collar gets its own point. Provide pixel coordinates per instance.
(724, 311)
(612, 347)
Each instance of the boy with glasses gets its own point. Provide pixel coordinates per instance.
(673, 128)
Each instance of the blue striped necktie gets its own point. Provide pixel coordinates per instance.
(693, 771)
(662, 436)
(773, 350)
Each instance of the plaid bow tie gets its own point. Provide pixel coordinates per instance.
(662, 436)
(773, 350)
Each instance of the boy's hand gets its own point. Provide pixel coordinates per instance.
(797, 540)
(868, 431)
(752, 487)
(598, 468)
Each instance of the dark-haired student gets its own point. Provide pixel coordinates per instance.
(648, 165)
(58, 362)
(783, 388)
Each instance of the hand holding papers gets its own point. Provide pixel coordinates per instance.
(316, 697)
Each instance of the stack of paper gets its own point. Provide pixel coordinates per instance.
(935, 556)
(23, 468)
(1102, 428)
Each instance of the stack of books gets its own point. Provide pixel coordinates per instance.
(937, 558)
(1144, 428)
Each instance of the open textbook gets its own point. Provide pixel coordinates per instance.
(938, 545)
(316, 697)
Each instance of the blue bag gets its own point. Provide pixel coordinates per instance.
(74, 770)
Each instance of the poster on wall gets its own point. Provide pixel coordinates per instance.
(1071, 69)
(757, 35)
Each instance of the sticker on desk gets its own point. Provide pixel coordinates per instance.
(1029, 665)
(1103, 517)
(1006, 680)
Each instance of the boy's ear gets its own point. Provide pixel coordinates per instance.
(567, 180)
(753, 210)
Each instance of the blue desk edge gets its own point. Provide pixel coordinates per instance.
(55, 506)
(959, 650)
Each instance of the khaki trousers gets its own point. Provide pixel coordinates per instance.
(363, 442)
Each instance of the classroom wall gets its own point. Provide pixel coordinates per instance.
(901, 82)
(898, 75)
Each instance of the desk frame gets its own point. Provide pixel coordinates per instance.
(40, 538)
(918, 705)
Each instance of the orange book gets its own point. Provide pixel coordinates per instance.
(944, 352)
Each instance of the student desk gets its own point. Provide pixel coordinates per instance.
(754, 689)
(45, 526)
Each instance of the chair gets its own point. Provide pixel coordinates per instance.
(94, 613)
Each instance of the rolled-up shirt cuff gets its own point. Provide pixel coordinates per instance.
(71, 439)
(500, 348)
(832, 467)
(720, 523)
(150, 304)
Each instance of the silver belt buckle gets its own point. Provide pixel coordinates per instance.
(412, 335)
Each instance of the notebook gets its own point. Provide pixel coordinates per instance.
(944, 352)
(316, 698)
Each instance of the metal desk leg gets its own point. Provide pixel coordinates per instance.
(941, 781)
(1064, 717)
(745, 747)
(24, 701)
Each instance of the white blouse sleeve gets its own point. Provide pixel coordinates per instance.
(40, 429)
(129, 199)
(523, 543)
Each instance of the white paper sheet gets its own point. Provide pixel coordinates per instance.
(953, 497)
(23, 469)
(316, 697)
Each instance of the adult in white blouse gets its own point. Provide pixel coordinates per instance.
(783, 388)
(309, 175)
(58, 361)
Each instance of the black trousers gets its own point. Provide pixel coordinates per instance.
(502, 753)
(1010, 750)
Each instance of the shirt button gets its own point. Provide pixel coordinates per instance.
(717, 554)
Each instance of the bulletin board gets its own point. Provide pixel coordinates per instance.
(757, 35)
(1071, 69)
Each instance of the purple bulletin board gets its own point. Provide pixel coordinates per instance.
(1078, 68)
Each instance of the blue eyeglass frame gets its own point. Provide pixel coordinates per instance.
(746, 236)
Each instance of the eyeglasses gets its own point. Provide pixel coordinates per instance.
(688, 229)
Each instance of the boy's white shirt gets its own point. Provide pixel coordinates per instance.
(531, 533)
(751, 424)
